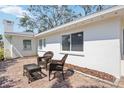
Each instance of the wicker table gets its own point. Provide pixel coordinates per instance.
(29, 69)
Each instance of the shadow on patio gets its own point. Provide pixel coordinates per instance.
(60, 83)
(11, 75)
(5, 82)
(5, 64)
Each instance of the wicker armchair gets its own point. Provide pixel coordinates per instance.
(45, 59)
(57, 65)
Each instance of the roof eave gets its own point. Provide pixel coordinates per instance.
(18, 34)
(116, 8)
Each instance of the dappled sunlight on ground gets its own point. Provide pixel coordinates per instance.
(11, 75)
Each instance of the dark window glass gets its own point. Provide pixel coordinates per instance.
(66, 42)
(77, 41)
(44, 43)
(27, 44)
(40, 44)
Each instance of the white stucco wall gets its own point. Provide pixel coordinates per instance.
(17, 47)
(122, 67)
(101, 46)
(7, 46)
(122, 46)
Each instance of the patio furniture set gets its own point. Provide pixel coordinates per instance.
(46, 62)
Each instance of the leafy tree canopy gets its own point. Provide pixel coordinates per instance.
(42, 18)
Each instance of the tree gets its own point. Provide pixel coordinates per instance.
(99, 7)
(1, 37)
(42, 18)
(87, 9)
(27, 23)
(46, 17)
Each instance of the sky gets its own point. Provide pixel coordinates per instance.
(12, 13)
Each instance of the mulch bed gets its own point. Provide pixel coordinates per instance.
(99, 74)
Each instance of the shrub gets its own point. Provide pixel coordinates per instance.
(1, 54)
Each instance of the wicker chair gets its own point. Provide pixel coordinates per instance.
(57, 65)
(45, 59)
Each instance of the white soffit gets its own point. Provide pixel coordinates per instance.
(114, 11)
(20, 34)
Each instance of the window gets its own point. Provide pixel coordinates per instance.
(27, 44)
(77, 42)
(66, 42)
(72, 42)
(42, 43)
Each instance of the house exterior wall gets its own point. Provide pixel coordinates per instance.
(122, 67)
(16, 46)
(7, 46)
(101, 46)
(122, 46)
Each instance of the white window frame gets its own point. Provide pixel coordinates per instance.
(40, 47)
(82, 41)
(43, 44)
(61, 41)
(30, 45)
(80, 53)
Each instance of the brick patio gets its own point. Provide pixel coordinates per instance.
(11, 75)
